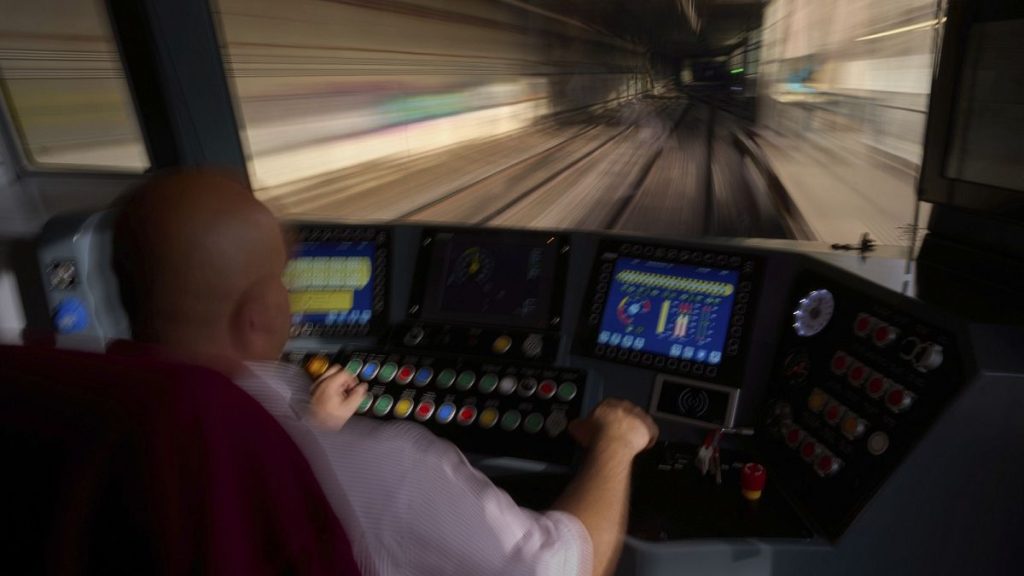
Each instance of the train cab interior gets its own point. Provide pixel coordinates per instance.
(792, 232)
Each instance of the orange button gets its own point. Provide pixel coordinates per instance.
(317, 365)
(488, 418)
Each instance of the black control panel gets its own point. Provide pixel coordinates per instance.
(337, 280)
(857, 382)
(484, 407)
(669, 309)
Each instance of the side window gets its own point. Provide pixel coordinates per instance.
(64, 87)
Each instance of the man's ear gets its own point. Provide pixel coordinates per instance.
(256, 327)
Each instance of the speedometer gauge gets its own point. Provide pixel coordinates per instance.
(813, 312)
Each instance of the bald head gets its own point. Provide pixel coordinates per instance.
(200, 262)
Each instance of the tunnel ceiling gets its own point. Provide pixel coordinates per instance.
(662, 26)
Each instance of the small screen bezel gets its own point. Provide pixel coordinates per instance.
(552, 322)
(730, 370)
(312, 232)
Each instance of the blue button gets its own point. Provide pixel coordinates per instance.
(70, 316)
(423, 376)
(369, 371)
(445, 413)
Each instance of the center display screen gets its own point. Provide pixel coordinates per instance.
(673, 310)
(331, 283)
(507, 278)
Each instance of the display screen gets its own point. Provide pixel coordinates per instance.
(673, 310)
(507, 279)
(331, 283)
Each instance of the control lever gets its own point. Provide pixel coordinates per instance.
(708, 456)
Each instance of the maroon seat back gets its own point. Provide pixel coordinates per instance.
(119, 465)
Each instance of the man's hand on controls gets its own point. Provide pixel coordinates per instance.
(334, 398)
(618, 424)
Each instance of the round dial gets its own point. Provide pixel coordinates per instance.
(474, 264)
(813, 312)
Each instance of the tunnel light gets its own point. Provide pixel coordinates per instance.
(736, 70)
(911, 28)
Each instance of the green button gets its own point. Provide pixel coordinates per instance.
(465, 381)
(354, 366)
(534, 422)
(567, 391)
(488, 383)
(383, 405)
(510, 421)
(387, 372)
(365, 404)
(445, 378)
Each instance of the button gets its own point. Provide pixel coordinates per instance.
(527, 386)
(884, 335)
(546, 389)
(423, 376)
(467, 415)
(365, 404)
(927, 357)
(387, 372)
(878, 443)
(405, 374)
(840, 362)
(876, 386)
(445, 378)
(809, 450)
(862, 325)
(852, 426)
(370, 370)
(533, 423)
(70, 315)
(833, 412)
(488, 418)
(488, 382)
(816, 401)
(533, 345)
(317, 365)
(383, 405)
(424, 410)
(507, 385)
(567, 391)
(556, 423)
(898, 399)
(510, 421)
(501, 344)
(465, 380)
(445, 413)
(857, 374)
(403, 407)
(827, 465)
(354, 366)
(793, 437)
(413, 336)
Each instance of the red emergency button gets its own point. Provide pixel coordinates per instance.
(752, 480)
(884, 335)
(467, 415)
(840, 362)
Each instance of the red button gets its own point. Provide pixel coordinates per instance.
(467, 415)
(884, 334)
(825, 464)
(753, 477)
(405, 374)
(840, 362)
(547, 389)
(832, 413)
(793, 437)
(875, 386)
(862, 325)
(898, 399)
(808, 449)
(857, 374)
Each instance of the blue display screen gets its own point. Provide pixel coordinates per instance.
(331, 283)
(672, 310)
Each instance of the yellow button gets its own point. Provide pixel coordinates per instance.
(816, 401)
(488, 418)
(403, 408)
(317, 365)
(501, 344)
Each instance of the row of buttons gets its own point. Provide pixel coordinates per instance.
(680, 255)
(897, 398)
(657, 361)
(335, 234)
(463, 381)
(824, 461)
(882, 334)
(444, 413)
(832, 411)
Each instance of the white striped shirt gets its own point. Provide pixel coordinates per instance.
(410, 501)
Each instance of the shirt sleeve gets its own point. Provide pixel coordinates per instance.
(459, 522)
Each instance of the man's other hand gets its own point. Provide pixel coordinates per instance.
(616, 423)
(335, 397)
